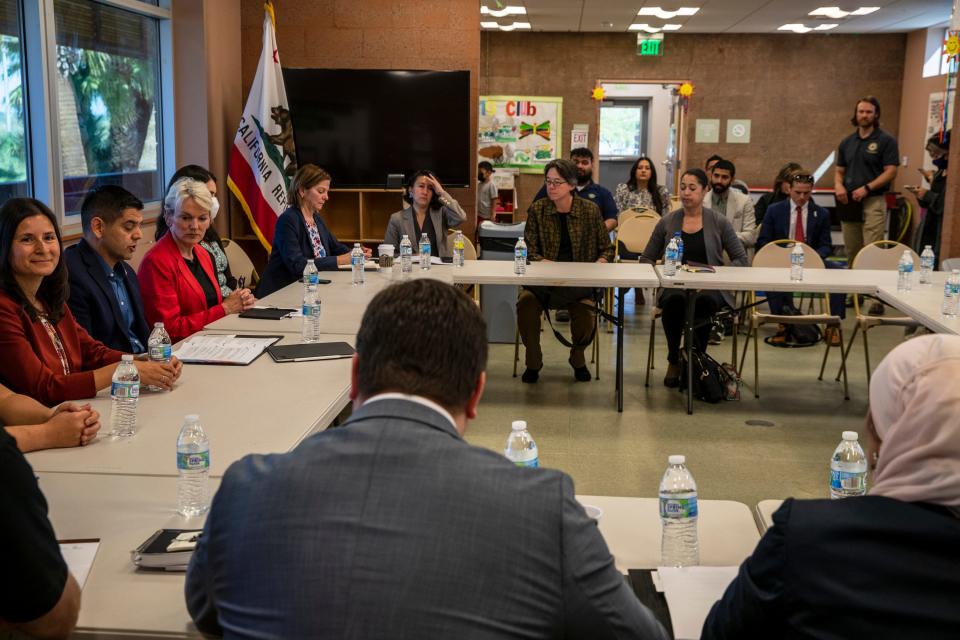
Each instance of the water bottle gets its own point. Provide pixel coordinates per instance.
(679, 546)
(670, 258)
(159, 348)
(520, 257)
(424, 251)
(521, 450)
(193, 465)
(848, 468)
(310, 331)
(927, 258)
(951, 295)
(905, 272)
(406, 254)
(356, 264)
(679, 239)
(124, 392)
(311, 277)
(796, 262)
(458, 244)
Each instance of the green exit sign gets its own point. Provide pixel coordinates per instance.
(650, 45)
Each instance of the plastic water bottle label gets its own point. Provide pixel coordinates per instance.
(532, 463)
(678, 508)
(310, 310)
(161, 352)
(847, 480)
(125, 390)
(193, 461)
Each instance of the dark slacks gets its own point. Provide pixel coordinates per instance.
(529, 311)
(673, 304)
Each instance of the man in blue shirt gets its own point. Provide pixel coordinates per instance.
(104, 292)
(587, 188)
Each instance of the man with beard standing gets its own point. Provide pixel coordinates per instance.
(737, 207)
(867, 163)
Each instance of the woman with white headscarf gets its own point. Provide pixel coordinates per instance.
(885, 565)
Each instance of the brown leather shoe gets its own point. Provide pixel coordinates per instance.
(672, 379)
(832, 336)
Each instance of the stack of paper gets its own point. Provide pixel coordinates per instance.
(223, 349)
(691, 593)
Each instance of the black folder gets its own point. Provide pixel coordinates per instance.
(310, 351)
(266, 314)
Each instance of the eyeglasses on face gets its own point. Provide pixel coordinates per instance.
(550, 182)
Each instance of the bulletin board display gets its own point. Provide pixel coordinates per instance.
(522, 132)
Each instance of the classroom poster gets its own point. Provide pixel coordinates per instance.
(520, 131)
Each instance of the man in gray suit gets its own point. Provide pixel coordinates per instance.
(736, 206)
(392, 526)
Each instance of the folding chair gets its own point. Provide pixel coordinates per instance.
(881, 255)
(777, 254)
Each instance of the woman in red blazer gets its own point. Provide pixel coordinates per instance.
(46, 354)
(177, 280)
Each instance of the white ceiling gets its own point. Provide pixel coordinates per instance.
(726, 16)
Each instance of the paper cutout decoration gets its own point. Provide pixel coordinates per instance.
(598, 93)
(542, 129)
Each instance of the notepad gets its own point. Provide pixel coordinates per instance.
(223, 349)
(691, 593)
(79, 555)
(369, 265)
(167, 549)
(310, 351)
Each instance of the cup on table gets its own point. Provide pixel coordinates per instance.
(594, 512)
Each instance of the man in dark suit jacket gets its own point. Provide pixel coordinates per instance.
(104, 292)
(780, 222)
(392, 526)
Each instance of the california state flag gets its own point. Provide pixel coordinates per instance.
(263, 157)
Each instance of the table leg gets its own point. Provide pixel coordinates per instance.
(621, 294)
(688, 337)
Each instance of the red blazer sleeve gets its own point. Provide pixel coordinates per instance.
(170, 293)
(30, 364)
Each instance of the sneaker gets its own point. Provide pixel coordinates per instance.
(716, 335)
(672, 379)
(562, 315)
(832, 337)
(530, 376)
(876, 309)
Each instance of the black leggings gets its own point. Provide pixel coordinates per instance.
(673, 304)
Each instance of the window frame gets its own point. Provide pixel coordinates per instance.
(38, 25)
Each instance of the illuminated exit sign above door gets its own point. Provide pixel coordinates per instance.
(650, 44)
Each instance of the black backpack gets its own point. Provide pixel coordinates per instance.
(799, 335)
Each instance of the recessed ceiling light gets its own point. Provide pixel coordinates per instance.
(664, 14)
(606, 25)
(506, 11)
(796, 28)
(645, 27)
(825, 27)
(490, 25)
(837, 13)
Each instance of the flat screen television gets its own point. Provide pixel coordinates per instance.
(363, 124)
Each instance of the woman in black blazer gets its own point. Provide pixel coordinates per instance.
(884, 565)
(301, 235)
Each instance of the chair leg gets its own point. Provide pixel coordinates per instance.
(743, 356)
(866, 356)
(756, 363)
(846, 354)
(846, 388)
(653, 326)
(516, 351)
(826, 352)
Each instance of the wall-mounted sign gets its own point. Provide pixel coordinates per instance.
(579, 136)
(649, 44)
(708, 131)
(520, 131)
(738, 131)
